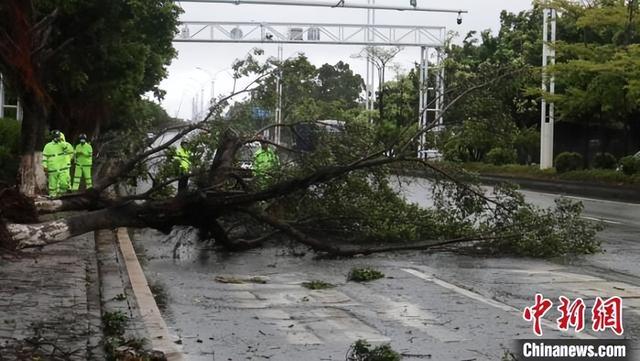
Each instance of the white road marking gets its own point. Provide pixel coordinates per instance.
(557, 195)
(601, 201)
(600, 220)
(488, 301)
(402, 311)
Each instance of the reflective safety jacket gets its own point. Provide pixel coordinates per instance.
(84, 154)
(183, 157)
(264, 161)
(68, 149)
(56, 156)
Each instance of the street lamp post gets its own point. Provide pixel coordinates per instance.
(548, 85)
(198, 103)
(212, 79)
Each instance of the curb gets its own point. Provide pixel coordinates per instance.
(151, 318)
(592, 190)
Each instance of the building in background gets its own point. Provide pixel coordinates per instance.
(9, 102)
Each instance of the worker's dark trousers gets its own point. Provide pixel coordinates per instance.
(183, 183)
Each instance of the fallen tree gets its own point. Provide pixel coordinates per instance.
(338, 199)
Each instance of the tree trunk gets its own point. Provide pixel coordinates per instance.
(587, 144)
(33, 235)
(158, 215)
(31, 177)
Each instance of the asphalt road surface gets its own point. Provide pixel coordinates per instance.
(429, 306)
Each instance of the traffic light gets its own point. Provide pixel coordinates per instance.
(413, 3)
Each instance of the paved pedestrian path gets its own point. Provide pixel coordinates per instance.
(50, 303)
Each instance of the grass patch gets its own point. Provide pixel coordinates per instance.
(237, 280)
(364, 274)
(317, 285)
(117, 347)
(606, 176)
(159, 295)
(361, 350)
(114, 323)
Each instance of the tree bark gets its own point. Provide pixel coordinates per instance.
(161, 215)
(31, 177)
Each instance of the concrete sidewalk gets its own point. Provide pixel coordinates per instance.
(50, 303)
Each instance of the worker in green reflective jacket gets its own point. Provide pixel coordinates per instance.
(83, 156)
(183, 158)
(265, 162)
(55, 161)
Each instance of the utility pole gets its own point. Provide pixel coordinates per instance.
(279, 81)
(196, 111)
(423, 120)
(370, 82)
(212, 80)
(202, 112)
(548, 86)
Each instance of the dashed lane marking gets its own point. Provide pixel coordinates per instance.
(480, 298)
(601, 220)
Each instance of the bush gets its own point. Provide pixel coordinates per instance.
(630, 165)
(566, 162)
(501, 156)
(9, 149)
(604, 161)
(361, 350)
(607, 176)
(364, 274)
(317, 285)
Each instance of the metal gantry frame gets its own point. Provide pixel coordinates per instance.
(424, 37)
(371, 34)
(329, 4)
(548, 86)
(431, 118)
(310, 33)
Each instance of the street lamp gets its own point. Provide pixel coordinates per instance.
(199, 109)
(212, 83)
(212, 78)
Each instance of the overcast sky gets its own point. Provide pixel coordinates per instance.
(185, 80)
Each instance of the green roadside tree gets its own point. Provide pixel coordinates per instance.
(308, 94)
(76, 65)
(597, 69)
(338, 199)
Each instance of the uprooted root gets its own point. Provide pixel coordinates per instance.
(16, 207)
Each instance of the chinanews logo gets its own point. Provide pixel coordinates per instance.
(604, 317)
(605, 314)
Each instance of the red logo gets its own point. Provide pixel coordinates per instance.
(606, 314)
(572, 314)
(536, 312)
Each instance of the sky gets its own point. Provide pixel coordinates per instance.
(186, 81)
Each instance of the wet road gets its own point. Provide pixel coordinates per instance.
(429, 306)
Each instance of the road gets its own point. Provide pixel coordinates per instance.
(438, 306)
